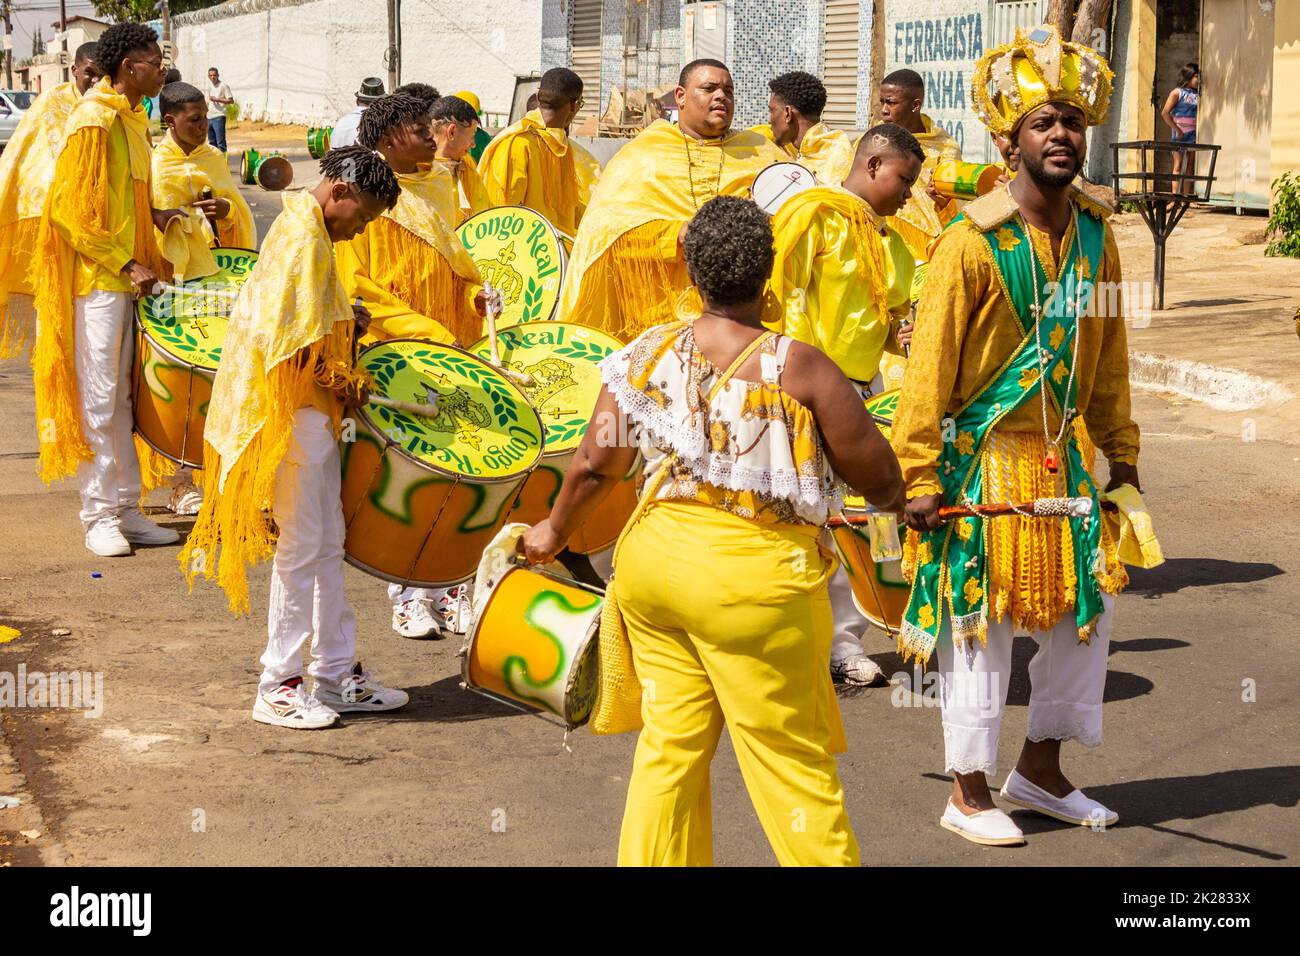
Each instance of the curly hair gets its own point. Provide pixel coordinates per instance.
(729, 250)
(801, 90)
(363, 168)
(422, 91)
(388, 112)
(119, 40)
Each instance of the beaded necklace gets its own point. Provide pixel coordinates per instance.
(690, 175)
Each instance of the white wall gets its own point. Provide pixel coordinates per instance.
(320, 51)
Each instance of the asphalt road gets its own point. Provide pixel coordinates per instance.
(1200, 756)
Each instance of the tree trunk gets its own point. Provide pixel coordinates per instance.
(1060, 14)
(1094, 17)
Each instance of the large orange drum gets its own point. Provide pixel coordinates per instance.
(179, 335)
(879, 589)
(422, 497)
(562, 360)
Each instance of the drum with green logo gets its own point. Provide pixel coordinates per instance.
(423, 496)
(561, 361)
(520, 254)
(179, 334)
(318, 141)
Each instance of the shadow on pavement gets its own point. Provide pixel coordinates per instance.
(1179, 573)
(445, 702)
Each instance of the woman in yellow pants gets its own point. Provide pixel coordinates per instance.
(722, 580)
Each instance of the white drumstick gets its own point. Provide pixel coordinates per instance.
(493, 310)
(429, 410)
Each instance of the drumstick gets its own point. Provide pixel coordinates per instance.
(522, 378)
(429, 410)
(204, 194)
(1040, 508)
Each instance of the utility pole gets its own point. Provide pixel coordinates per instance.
(63, 38)
(394, 54)
(9, 47)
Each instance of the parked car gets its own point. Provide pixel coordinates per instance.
(13, 104)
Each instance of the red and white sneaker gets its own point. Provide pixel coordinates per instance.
(289, 705)
(454, 609)
(359, 692)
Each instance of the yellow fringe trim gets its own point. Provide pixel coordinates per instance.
(869, 250)
(419, 275)
(234, 529)
(18, 254)
(629, 287)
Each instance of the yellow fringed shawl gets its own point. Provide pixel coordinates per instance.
(624, 272)
(98, 216)
(529, 164)
(410, 269)
(179, 178)
(290, 333)
(466, 187)
(26, 171)
(828, 153)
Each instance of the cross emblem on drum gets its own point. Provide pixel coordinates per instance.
(198, 326)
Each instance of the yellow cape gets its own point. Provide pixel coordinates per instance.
(26, 171)
(82, 202)
(179, 178)
(765, 130)
(290, 329)
(650, 181)
(530, 164)
(828, 153)
(466, 186)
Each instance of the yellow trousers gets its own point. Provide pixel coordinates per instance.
(730, 623)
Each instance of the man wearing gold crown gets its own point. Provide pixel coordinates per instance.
(627, 272)
(1012, 345)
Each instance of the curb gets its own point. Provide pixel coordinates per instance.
(288, 152)
(1224, 389)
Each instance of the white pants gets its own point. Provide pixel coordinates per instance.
(307, 599)
(849, 622)
(1067, 676)
(400, 595)
(104, 346)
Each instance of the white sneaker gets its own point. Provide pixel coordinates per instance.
(289, 706)
(105, 539)
(1074, 807)
(415, 619)
(987, 828)
(859, 670)
(138, 529)
(360, 692)
(186, 500)
(454, 607)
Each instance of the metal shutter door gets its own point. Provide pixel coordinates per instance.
(840, 64)
(586, 55)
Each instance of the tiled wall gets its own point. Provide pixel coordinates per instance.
(765, 39)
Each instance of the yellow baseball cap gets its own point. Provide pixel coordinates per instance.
(469, 98)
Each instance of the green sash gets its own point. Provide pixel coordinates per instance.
(952, 566)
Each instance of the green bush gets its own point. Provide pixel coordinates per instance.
(232, 113)
(1283, 229)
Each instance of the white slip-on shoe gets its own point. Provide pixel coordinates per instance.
(859, 670)
(105, 539)
(290, 706)
(416, 619)
(138, 529)
(359, 692)
(1075, 807)
(987, 828)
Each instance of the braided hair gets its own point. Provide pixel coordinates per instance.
(389, 112)
(363, 168)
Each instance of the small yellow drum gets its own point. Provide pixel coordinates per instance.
(179, 335)
(520, 253)
(879, 589)
(562, 359)
(422, 496)
(534, 642)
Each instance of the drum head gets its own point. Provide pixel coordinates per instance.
(520, 253)
(190, 322)
(274, 173)
(484, 431)
(562, 359)
(882, 408)
(778, 182)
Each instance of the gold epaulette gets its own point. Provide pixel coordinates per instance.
(992, 209)
(1098, 207)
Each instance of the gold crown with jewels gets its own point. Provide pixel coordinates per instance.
(1038, 67)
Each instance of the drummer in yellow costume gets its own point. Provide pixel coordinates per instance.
(534, 163)
(1000, 367)
(272, 451)
(454, 125)
(844, 279)
(408, 267)
(26, 171)
(919, 222)
(626, 272)
(795, 122)
(96, 253)
(721, 581)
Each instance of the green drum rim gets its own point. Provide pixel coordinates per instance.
(563, 432)
(191, 329)
(486, 431)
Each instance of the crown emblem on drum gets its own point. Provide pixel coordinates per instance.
(502, 274)
(1038, 67)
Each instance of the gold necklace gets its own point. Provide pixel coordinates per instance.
(690, 175)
